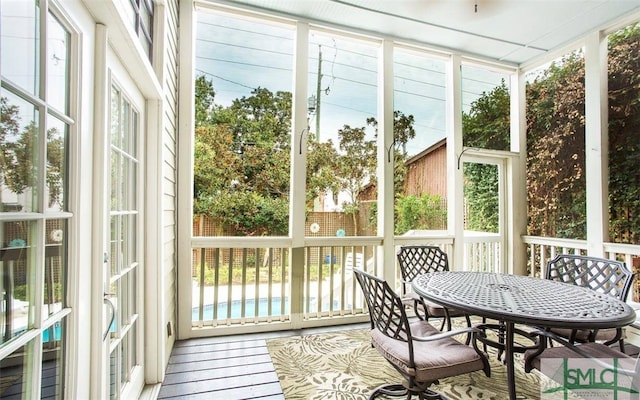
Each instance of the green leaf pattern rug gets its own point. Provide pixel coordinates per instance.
(342, 365)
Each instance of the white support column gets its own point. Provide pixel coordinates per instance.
(99, 347)
(186, 126)
(299, 135)
(596, 143)
(515, 254)
(297, 193)
(455, 195)
(386, 160)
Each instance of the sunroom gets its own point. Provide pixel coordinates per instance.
(174, 170)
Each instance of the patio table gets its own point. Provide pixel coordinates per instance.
(514, 299)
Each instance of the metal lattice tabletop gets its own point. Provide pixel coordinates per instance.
(523, 299)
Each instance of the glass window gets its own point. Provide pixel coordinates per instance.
(20, 28)
(243, 126)
(57, 154)
(18, 142)
(18, 278)
(624, 136)
(141, 14)
(556, 185)
(58, 68)
(34, 183)
(341, 154)
(420, 150)
(485, 108)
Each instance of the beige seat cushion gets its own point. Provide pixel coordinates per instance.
(595, 350)
(434, 360)
(433, 309)
(582, 335)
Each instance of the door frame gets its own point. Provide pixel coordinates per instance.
(503, 161)
(110, 69)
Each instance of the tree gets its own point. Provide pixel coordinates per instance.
(242, 161)
(357, 160)
(18, 164)
(555, 151)
(485, 126)
(356, 166)
(241, 154)
(322, 159)
(624, 135)
(418, 212)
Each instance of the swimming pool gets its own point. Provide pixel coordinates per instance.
(236, 309)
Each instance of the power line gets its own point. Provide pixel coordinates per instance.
(245, 30)
(245, 63)
(245, 47)
(224, 79)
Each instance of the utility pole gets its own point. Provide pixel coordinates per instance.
(318, 90)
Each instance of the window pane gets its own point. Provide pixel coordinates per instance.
(341, 154)
(53, 361)
(58, 68)
(624, 137)
(17, 260)
(420, 131)
(19, 45)
(485, 108)
(16, 374)
(145, 18)
(116, 117)
(55, 267)
(243, 123)
(57, 161)
(18, 142)
(556, 191)
(481, 198)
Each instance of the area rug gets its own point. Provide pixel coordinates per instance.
(342, 365)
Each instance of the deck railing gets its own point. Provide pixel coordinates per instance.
(237, 285)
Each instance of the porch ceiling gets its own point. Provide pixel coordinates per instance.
(512, 31)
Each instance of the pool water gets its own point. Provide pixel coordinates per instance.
(236, 309)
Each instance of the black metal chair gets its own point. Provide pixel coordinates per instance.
(610, 277)
(418, 351)
(422, 259)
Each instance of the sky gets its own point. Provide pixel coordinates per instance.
(239, 55)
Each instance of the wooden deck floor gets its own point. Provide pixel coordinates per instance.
(227, 368)
(240, 368)
(219, 368)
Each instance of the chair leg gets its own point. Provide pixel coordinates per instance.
(468, 340)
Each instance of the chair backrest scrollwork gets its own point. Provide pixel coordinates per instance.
(421, 259)
(606, 276)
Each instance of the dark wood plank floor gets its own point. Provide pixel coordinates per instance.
(227, 368)
(221, 368)
(240, 367)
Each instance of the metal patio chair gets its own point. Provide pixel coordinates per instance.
(423, 259)
(610, 277)
(418, 351)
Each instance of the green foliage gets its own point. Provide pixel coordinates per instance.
(555, 151)
(322, 162)
(241, 161)
(19, 154)
(624, 135)
(419, 212)
(481, 192)
(356, 166)
(486, 126)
